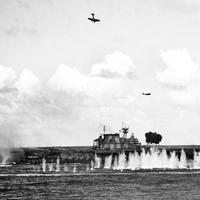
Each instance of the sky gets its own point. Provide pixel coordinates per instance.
(62, 77)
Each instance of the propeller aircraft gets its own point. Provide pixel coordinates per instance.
(93, 19)
(146, 93)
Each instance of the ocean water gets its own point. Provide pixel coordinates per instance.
(28, 182)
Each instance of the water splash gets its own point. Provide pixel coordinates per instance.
(122, 164)
(134, 161)
(97, 161)
(92, 165)
(65, 167)
(74, 170)
(58, 164)
(183, 160)
(51, 167)
(153, 159)
(38, 168)
(108, 162)
(4, 155)
(115, 164)
(196, 161)
(43, 164)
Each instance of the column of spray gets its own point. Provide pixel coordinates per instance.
(164, 159)
(108, 162)
(196, 161)
(145, 159)
(115, 164)
(50, 167)
(158, 159)
(122, 164)
(173, 161)
(155, 158)
(65, 167)
(43, 164)
(183, 160)
(74, 170)
(97, 161)
(92, 165)
(58, 164)
(134, 161)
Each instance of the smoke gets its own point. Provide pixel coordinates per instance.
(9, 138)
(153, 138)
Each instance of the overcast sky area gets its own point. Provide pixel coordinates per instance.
(62, 77)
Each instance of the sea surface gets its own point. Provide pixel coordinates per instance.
(27, 183)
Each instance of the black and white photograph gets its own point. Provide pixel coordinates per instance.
(99, 99)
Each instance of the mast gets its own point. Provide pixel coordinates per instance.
(104, 129)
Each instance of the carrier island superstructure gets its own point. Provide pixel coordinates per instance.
(108, 143)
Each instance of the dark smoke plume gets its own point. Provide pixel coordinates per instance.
(153, 138)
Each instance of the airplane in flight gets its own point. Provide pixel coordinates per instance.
(93, 19)
(146, 93)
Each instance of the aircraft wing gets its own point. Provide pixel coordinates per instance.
(91, 19)
(96, 20)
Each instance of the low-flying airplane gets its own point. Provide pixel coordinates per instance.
(146, 93)
(93, 19)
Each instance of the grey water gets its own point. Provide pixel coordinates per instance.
(22, 182)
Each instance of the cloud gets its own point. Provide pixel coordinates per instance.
(115, 65)
(180, 68)
(181, 78)
(8, 90)
(183, 98)
(24, 5)
(108, 79)
(12, 31)
(27, 83)
(6, 76)
(67, 78)
(186, 6)
(76, 105)
(127, 99)
(30, 31)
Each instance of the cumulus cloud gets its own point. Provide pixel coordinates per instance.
(180, 68)
(67, 78)
(115, 65)
(182, 77)
(101, 81)
(56, 115)
(6, 76)
(112, 78)
(53, 115)
(181, 5)
(98, 86)
(183, 98)
(127, 99)
(27, 83)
